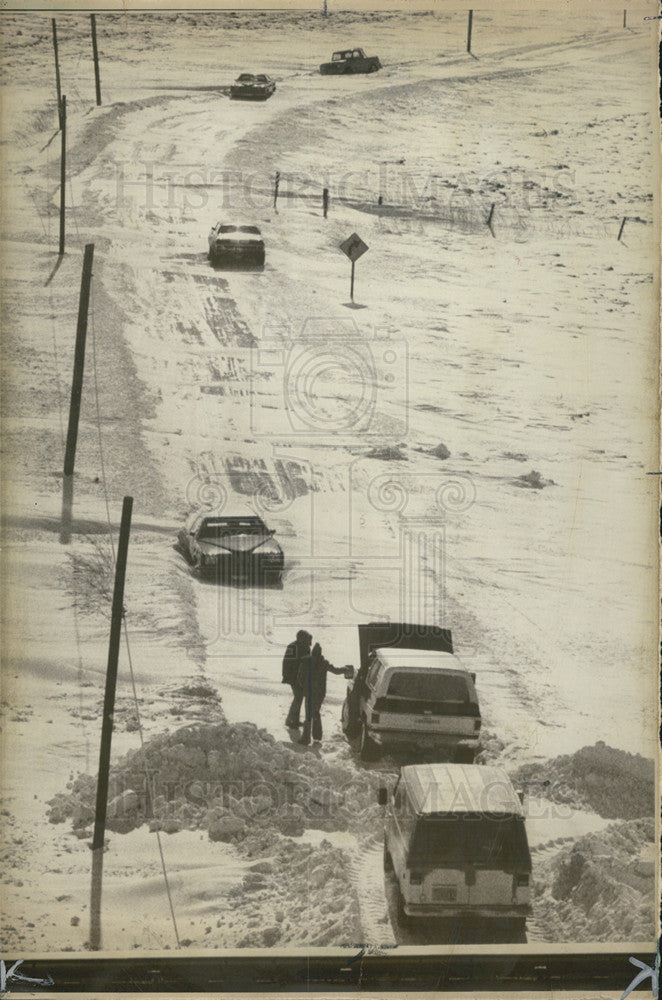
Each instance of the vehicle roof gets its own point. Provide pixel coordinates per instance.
(392, 656)
(460, 788)
(235, 222)
(233, 524)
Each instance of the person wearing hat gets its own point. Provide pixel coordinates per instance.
(294, 656)
(312, 680)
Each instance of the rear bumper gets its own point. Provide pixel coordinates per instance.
(405, 737)
(237, 253)
(250, 95)
(252, 572)
(508, 912)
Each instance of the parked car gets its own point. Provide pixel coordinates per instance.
(411, 692)
(232, 549)
(455, 841)
(350, 61)
(252, 87)
(236, 244)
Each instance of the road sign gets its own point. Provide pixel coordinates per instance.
(354, 247)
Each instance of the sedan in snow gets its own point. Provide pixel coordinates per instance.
(232, 549)
(252, 87)
(234, 245)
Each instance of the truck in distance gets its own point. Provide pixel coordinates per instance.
(350, 61)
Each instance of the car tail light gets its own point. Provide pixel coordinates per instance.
(270, 548)
(416, 878)
(521, 880)
(476, 725)
(374, 717)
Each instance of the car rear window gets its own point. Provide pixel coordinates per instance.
(249, 229)
(227, 229)
(428, 686)
(218, 530)
(487, 840)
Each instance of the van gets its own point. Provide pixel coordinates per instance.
(412, 693)
(455, 841)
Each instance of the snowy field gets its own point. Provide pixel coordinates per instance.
(469, 447)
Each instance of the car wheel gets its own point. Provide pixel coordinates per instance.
(465, 755)
(515, 930)
(403, 919)
(367, 748)
(349, 726)
(388, 860)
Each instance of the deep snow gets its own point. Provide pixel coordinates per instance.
(530, 355)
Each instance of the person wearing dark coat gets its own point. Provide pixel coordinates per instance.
(294, 655)
(312, 679)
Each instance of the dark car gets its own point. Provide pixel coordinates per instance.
(252, 87)
(235, 244)
(232, 549)
(350, 61)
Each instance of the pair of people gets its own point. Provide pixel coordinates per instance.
(305, 670)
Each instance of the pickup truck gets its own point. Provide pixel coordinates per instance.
(411, 692)
(350, 61)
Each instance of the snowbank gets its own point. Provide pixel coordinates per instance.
(611, 782)
(601, 888)
(231, 780)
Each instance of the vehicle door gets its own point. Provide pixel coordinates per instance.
(438, 703)
(372, 679)
(499, 861)
(438, 876)
(397, 832)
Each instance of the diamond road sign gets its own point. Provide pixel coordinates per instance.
(354, 247)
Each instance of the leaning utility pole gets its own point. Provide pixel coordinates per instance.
(95, 54)
(107, 726)
(76, 393)
(63, 167)
(57, 75)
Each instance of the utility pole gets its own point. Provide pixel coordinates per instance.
(107, 726)
(63, 167)
(57, 74)
(76, 393)
(469, 27)
(95, 53)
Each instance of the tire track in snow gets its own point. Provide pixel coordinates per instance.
(367, 875)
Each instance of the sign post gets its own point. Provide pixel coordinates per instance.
(353, 247)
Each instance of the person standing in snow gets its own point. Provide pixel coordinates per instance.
(312, 680)
(294, 655)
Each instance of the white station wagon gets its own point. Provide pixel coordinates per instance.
(414, 695)
(455, 839)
